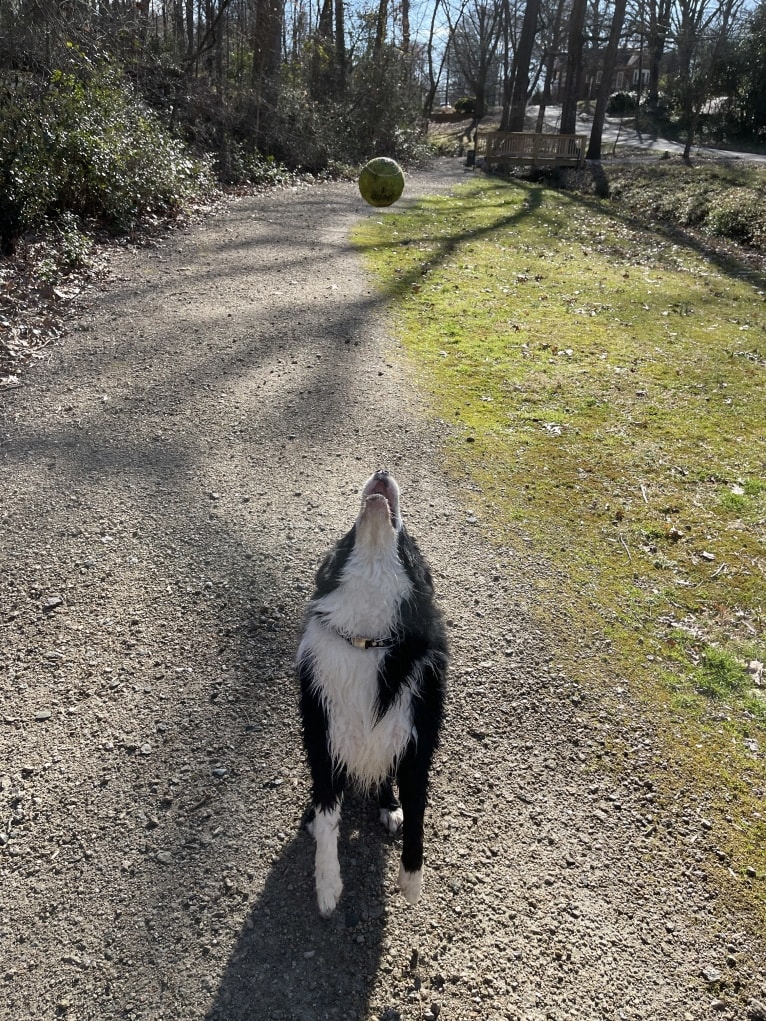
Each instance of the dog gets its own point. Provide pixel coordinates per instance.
(372, 666)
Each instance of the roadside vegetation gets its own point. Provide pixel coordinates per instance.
(605, 369)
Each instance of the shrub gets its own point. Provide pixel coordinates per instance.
(739, 214)
(238, 163)
(84, 143)
(621, 103)
(73, 248)
(466, 105)
(725, 203)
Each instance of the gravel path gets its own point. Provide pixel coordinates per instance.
(169, 481)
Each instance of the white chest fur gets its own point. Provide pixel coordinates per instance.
(365, 604)
(346, 680)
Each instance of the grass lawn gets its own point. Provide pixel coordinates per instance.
(607, 379)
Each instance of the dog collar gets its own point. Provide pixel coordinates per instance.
(365, 643)
(369, 642)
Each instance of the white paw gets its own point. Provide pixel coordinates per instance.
(329, 889)
(392, 819)
(411, 884)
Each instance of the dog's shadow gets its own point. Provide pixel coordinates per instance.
(290, 963)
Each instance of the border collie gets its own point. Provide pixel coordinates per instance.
(372, 668)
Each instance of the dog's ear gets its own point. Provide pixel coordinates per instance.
(331, 568)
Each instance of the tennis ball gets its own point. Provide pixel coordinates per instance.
(381, 181)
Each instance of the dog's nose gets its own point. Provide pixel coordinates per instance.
(382, 473)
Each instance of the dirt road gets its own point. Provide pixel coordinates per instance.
(170, 480)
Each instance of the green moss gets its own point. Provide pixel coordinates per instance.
(720, 675)
(589, 358)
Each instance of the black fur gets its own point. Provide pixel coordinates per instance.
(416, 658)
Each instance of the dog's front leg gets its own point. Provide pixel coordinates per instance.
(328, 782)
(329, 885)
(412, 778)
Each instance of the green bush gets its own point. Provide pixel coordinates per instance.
(740, 215)
(466, 105)
(239, 163)
(725, 203)
(84, 143)
(621, 103)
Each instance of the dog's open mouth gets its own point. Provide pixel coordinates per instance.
(378, 486)
(380, 498)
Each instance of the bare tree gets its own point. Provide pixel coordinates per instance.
(604, 88)
(700, 29)
(574, 67)
(433, 73)
(657, 29)
(515, 111)
(475, 42)
(551, 44)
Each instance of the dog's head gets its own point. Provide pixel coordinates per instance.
(379, 520)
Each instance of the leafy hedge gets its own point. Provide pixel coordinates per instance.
(86, 144)
(720, 201)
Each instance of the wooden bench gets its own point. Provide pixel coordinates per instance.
(526, 147)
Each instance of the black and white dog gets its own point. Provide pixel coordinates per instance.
(372, 669)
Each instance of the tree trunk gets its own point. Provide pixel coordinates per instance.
(691, 130)
(521, 73)
(550, 63)
(190, 29)
(380, 27)
(574, 70)
(659, 24)
(405, 26)
(267, 49)
(605, 87)
(323, 39)
(340, 45)
(178, 25)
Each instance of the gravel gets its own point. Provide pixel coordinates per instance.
(170, 479)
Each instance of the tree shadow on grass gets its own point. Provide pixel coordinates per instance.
(289, 963)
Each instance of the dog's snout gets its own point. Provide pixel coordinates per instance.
(382, 473)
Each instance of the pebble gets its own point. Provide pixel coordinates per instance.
(52, 602)
(43, 714)
(164, 857)
(711, 974)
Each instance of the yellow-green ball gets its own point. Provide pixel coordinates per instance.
(381, 181)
